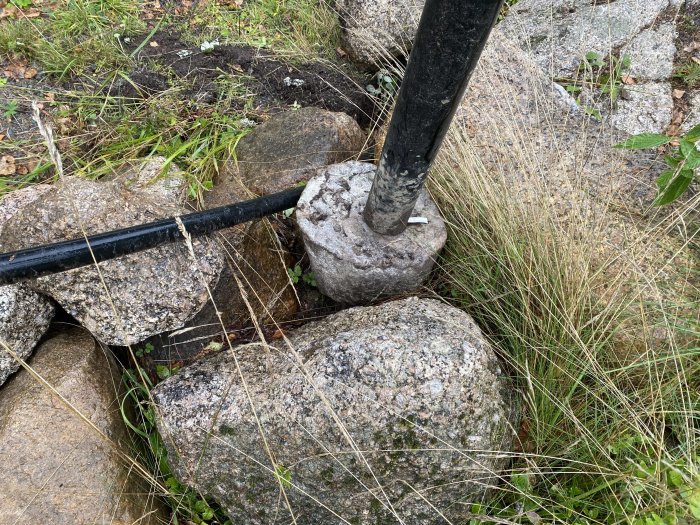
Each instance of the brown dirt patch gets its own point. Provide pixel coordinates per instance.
(277, 84)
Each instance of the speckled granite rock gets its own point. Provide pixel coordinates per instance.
(56, 469)
(646, 109)
(375, 30)
(535, 130)
(550, 156)
(150, 180)
(651, 52)
(24, 315)
(532, 138)
(559, 33)
(151, 291)
(413, 384)
(288, 149)
(693, 117)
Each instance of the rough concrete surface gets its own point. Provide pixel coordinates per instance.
(351, 263)
(151, 291)
(413, 385)
(56, 469)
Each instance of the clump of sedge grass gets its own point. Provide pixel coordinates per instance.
(603, 439)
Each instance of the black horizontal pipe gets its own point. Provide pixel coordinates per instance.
(67, 255)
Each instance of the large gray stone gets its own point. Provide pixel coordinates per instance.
(254, 288)
(24, 315)
(144, 293)
(646, 108)
(57, 469)
(286, 150)
(534, 137)
(558, 164)
(559, 33)
(401, 406)
(693, 117)
(353, 264)
(651, 52)
(375, 31)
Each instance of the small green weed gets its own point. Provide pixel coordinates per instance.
(689, 73)
(296, 274)
(284, 476)
(9, 109)
(22, 4)
(188, 506)
(602, 74)
(383, 86)
(164, 372)
(682, 161)
(144, 350)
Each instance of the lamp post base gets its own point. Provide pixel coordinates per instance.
(351, 263)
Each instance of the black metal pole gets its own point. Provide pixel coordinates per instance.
(52, 258)
(449, 41)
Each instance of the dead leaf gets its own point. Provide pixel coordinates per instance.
(30, 72)
(18, 69)
(678, 93)
(279, 334)
(695, 59)
(693, 46)
(628, 79)
(153, 43)
(9, 11)
(7, 165)
(237, 67)
(1, 137)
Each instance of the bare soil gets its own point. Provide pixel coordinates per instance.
(277, 84)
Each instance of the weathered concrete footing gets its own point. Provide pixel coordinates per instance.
(352, 263)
